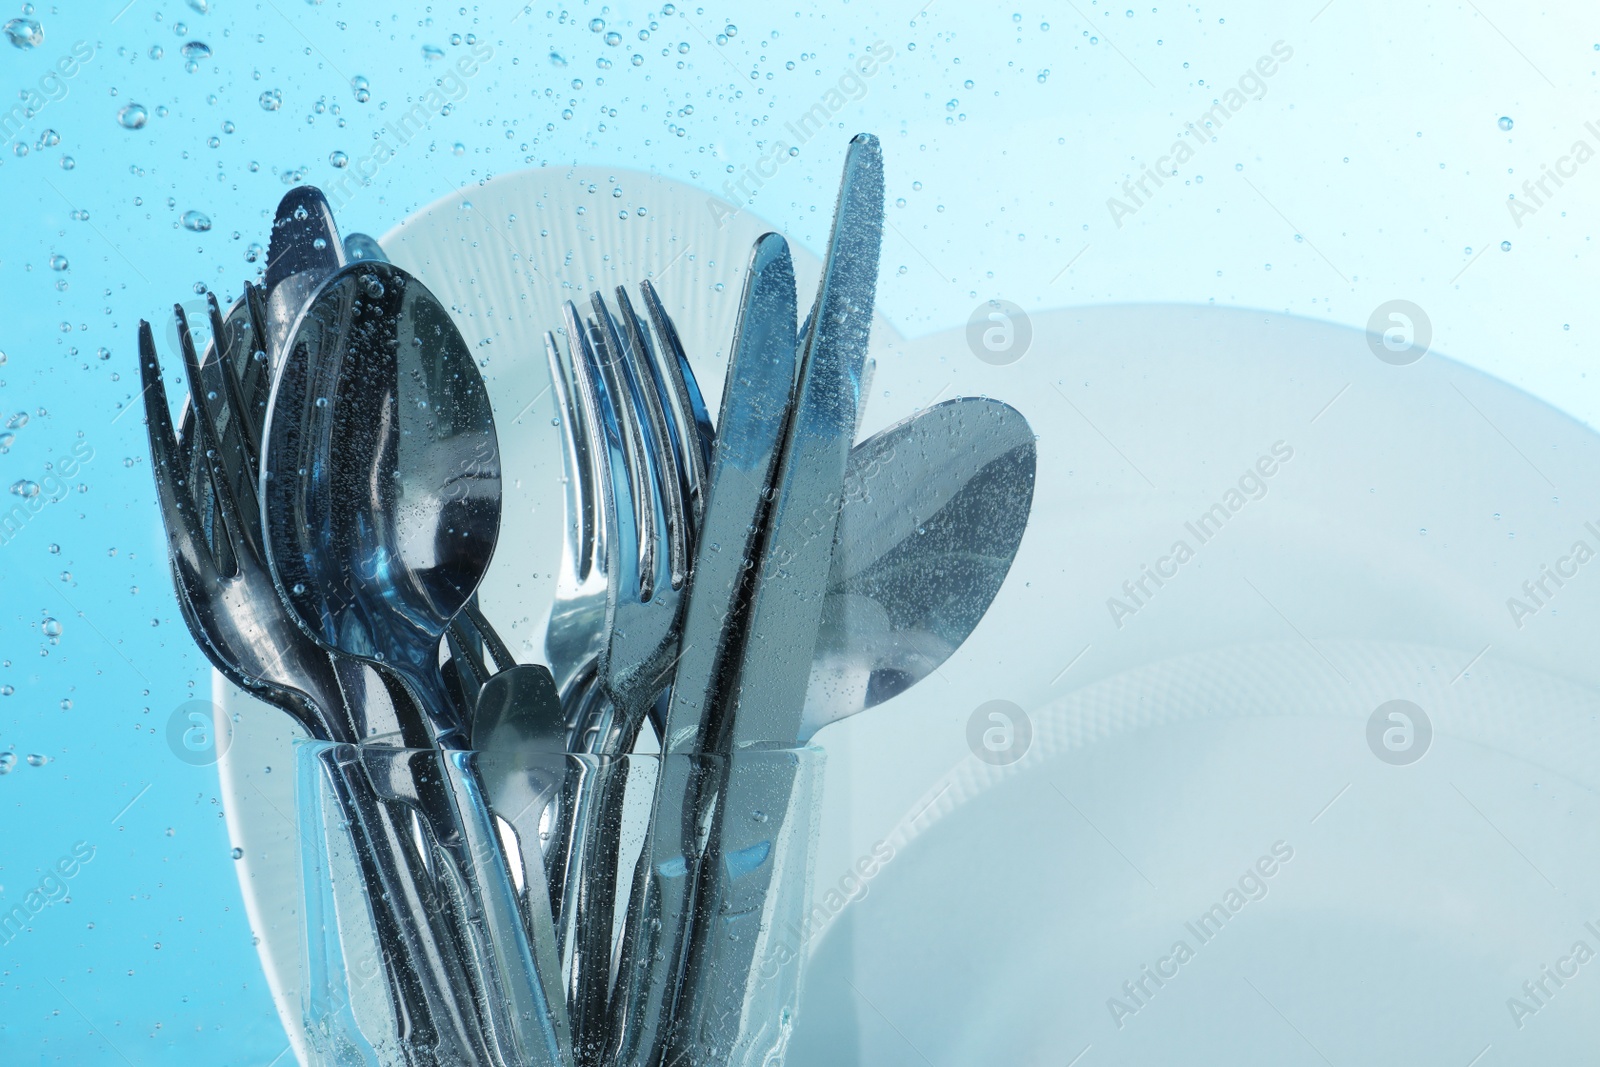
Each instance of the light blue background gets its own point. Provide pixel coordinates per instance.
(1372, 167)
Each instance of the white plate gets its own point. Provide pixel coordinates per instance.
(1219, 718)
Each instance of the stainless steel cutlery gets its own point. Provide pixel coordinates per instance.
(331, 505)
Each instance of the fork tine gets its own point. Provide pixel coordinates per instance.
(669, 478)
(238, 410)
(179, 513)
(617, 524)
(690, 401)
(237, 440)
(673, 406)
(255, 378)
(577, 453)
(208, 439)
(618, 367)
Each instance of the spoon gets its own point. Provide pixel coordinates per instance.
(380, 485)
(934, 511)
(520, 735)
(380, 477)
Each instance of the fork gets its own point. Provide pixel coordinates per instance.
(229, 603)
(630, 536)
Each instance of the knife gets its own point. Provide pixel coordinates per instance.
(782, 616)
(755, 407)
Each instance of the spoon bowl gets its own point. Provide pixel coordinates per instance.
(380, 478)
(934, 511)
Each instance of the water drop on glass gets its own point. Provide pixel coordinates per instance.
(271, 100)
(24, 33)
(50, 627)
(1505, 122)
(133, 117)
(198, 221)
(431, 52)
(25, 488)
(58, 262)
(196, 50)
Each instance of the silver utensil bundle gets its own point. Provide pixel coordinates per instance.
(332, 497)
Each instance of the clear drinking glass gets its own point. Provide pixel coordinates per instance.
(441, 895)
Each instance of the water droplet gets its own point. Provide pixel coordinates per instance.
(25, 488)
(156, 51)
(67, 163)
(339, 159)
(50, 627)
(196, 50)
(49, 139)
(198, 221)
(299, 589)
(202, 6)
(613, 38)
(597, 25)
(8, 760)
(431, 52)
(238, 853)
(320, 243)
(683, 48)
(271, 100)
(638, 60)
(7, 690)
(58, 262)
(362, 88)
(1505, 246)
(25, 33)
(1505, 122)
(459, 149)
(133, 117)
(66, 704)
(557, 59)
(253, 252)
(36, 759)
